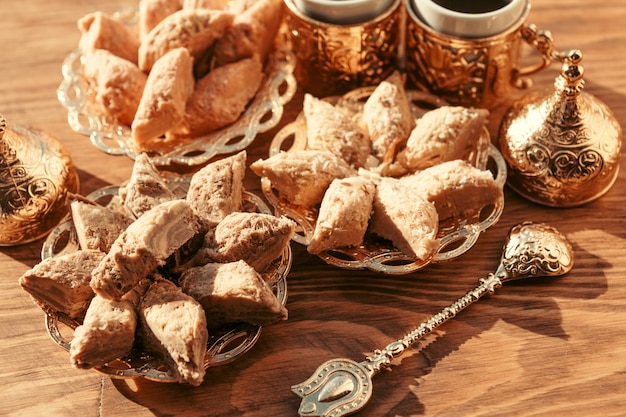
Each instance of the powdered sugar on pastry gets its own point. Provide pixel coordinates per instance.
(302, 176)
(193, 29)
(152, 12)
(96, 226)
(256, 238)
(232, 292)
(61, 283)
(101, 31)
(145, 189)
(220, 97)
(107, 333)
(216, 190)
(143, 246)
(251, 33)
(117, 83)
(174, 325)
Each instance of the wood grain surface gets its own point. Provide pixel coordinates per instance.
(555, 347)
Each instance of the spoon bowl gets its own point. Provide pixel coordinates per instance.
(535, 250)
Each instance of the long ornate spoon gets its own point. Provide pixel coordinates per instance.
(342, 386)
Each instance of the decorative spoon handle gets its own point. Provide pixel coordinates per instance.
(382, 358)
(342, 386)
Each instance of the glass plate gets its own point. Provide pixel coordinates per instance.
(224, 345)
(262, 114)
(456, 235)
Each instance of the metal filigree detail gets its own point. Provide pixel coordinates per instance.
(535, 249)
(333, 59)
(382, 358)
(341, 386)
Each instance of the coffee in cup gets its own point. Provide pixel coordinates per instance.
(470, 19)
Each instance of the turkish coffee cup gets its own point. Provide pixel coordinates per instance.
(457, 50)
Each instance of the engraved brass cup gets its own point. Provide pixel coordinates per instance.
(478, 72)
(36, 174)
(334, 59)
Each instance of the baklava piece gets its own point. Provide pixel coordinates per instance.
(117, 84)
(221, 97)
(152, 12)
(302, 176)
(173, 325)
(329, 129)
(443, 134)
(96, 226)
(101, 31)
(106, 334)
(145, 189)
(162, 105)
(408, 221)
(232, 292)
(387, 115)
(251, 33)
(344, 214)
(455, 187)
(217, 189)
(256, 238)
(61, 283)
(193, 29)
(144, 245)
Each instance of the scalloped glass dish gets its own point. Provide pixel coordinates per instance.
(456, 235)
(261, 115)
(225, 344)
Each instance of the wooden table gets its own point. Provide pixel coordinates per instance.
(554, 347)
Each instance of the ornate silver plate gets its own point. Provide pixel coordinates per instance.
(262, 114)
(456, 235)
(225, 344)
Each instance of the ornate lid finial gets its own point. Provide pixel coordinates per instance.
(570, 83)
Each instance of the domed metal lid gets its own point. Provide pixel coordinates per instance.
(562, 147)
(36, 174)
